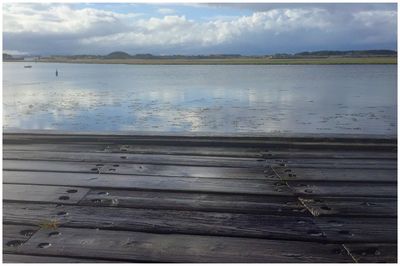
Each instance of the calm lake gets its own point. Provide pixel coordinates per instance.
(359, 99)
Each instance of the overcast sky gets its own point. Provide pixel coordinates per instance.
(248, 29)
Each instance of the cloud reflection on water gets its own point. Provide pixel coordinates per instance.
(327, 99)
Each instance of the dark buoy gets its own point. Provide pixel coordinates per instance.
(56, 73)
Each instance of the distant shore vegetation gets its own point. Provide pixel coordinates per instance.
(315, 57)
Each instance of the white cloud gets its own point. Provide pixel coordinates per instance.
(92, 29)
(373, 18)
(57, 18)
(178, 30)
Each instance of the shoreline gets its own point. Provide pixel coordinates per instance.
(230, 61)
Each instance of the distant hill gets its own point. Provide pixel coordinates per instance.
(7, 56)
(123, 55)
(349, 53)
(118, 55)
(323, 53)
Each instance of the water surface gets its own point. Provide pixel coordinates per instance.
(357, 99)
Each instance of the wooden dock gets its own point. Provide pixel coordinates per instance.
(151, 198)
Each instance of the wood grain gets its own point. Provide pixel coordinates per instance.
(344, 142)
(135, 158)
(373, 252)
(232, 203)
(14, 236)
(238, 186)
(227, 151)
(358, 230)
(166, 221)
(334, 163)
(329, 174)
(351, 206)
(14, 258)
(344, 189)
(34, 193)
(141, 149)
(136, 246)
(134, 169)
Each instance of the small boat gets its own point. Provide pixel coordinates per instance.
(27, 66)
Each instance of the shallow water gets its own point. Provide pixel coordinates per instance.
(357, 99)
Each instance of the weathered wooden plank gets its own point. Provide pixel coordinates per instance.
(271, 152)
(358, 230)
(16, 235)
(336, 166)
(202, 151)
(134, 158)
(232, 203)
(351, 206)
(238, 186)
(373, 252)
(134, 169)
(30, 214)
(151, 135)
(136, 246)
(166, 221)
(334, 163)
(280, 154)
(330, 174)
(34, 193)
(14, 258)
(141, 149)
(70, 147)
(343, 189)
(320, 229)
(249, 141)
(11, 232)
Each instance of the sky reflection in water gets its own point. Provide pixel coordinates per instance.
(300, 99)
